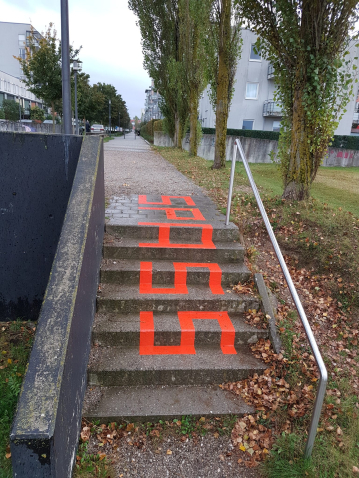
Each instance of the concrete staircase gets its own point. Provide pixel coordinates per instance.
(169, 328)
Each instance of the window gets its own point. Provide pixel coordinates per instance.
(247, 124)
(255, 54)
(22, 53)
(21, 41)
(252, 91)
(276, 126)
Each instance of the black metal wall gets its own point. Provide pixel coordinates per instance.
(36, 176)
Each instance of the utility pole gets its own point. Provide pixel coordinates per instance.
(109, 115)
(65, 54)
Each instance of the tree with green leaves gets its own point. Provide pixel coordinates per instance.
(163, 47)
(223, 51)
(42, 67)
(194, 29)
(308, 43)
(12, 110)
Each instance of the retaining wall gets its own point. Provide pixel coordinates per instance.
(256, 150)
(45, 431)
(37, 172)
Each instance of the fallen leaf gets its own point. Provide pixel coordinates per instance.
(85, 433)
(169, 452)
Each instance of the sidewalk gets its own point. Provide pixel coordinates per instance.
(131, 167)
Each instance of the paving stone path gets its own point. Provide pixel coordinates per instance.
(169, 328)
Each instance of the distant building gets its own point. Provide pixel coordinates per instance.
(12, 88)
(14, 39)
(151, 110)
(252, 105)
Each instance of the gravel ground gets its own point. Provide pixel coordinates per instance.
(132, 168)
(208, 457)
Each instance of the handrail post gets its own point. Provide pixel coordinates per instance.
(309, 333)
(233, 167)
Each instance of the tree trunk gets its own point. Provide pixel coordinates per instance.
(178, 132)
(53, 116)
(222, 86)
(193, 138)
(298, 168)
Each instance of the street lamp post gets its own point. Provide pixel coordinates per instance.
(109, 115)
(76, 66)
(65, 53)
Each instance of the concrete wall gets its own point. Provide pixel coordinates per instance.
(37, 172)
(256, 150)
(44, 436)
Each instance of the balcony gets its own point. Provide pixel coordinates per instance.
(270, 108)
(270, 74)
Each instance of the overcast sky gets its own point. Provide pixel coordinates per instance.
(106, 29)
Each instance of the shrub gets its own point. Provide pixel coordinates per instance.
(37, 113)
(158, 125)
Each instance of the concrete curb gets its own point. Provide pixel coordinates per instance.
(268, 310)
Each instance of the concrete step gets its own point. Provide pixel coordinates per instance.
(128, 248)
(127, 299)
(220, 232)
(124, 366)
(166, 402)
(128, 272)
(116, 330)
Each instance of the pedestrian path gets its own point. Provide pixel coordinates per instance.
(129, 142)
(169, 328)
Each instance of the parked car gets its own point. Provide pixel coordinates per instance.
(97, 128)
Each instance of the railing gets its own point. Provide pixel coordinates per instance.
(270, 108)
(313, 344)
(270, 73)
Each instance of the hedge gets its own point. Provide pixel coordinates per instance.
(339, 141)
(250, 133)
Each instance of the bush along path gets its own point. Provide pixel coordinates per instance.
(321, 250)
(171, 323)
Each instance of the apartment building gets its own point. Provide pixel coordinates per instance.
(252, 105)
(14, 38)
(151, 110)
(11, 88)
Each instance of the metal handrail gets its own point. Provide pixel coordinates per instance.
(313, 344)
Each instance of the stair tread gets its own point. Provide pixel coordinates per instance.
(195, 291)
(111, 241)
(164, 322)
(127, 358)
(162, 265)
(167, 402)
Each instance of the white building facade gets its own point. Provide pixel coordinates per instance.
(252, 105)
(14, 39)
(151, 110)
(12, 88)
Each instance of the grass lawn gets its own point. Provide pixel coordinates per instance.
(15, 344)
(338, 187)
(319, 239)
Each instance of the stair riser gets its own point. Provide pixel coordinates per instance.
(174, 254)
(165, 377)
(174, 338)
(187, 234)
(165, 278)
(167, 304)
